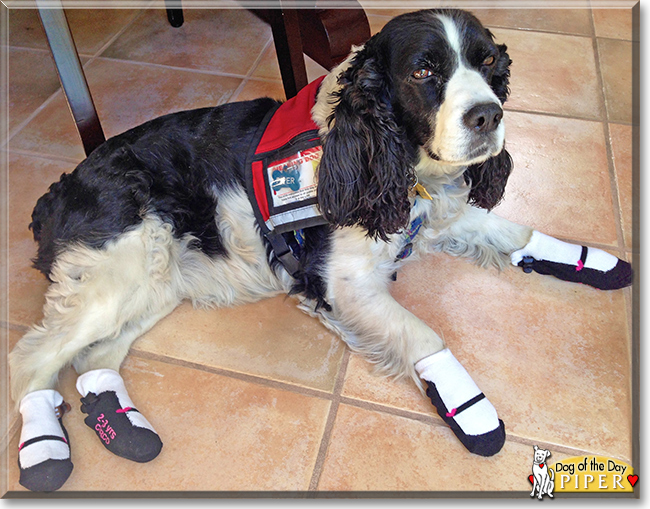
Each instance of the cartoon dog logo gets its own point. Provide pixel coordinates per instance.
(543, 475)
(288, 176)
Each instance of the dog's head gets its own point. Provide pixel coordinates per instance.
(540, 455)
(426, 91)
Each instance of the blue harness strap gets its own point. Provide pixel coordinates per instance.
(408, 236)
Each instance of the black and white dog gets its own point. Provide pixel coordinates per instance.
(412, 157)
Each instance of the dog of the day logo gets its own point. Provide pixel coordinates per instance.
(580, 474)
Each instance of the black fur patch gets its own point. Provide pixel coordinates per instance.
(173, 166)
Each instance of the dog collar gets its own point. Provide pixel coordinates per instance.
(419, 190)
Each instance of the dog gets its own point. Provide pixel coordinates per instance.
(543, 475)
(412, 136)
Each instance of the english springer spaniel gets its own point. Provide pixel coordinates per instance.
(410, 134)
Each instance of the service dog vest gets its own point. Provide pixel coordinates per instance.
(281, 172)
(281, 182)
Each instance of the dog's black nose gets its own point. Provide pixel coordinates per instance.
(483, 118)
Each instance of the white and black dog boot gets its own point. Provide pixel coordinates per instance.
(571, 262)
(44, 450)
(113, 417)
(461, 404)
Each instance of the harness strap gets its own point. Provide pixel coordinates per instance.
(283, 253)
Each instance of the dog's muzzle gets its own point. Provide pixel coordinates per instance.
(483, 118)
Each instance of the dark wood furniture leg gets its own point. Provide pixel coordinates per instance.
(72, 77)
(285, 25)
(326, 35)
(174, 13)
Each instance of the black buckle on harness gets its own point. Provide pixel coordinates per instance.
(284, 254)
(527, 264)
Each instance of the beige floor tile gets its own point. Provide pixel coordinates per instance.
(560, 183)
(613, 23)
(254, 89)
(126, 95)
(32, 79)
(268, 67)
(552, 73)
(29, 179)
(228, 40)
(568, 21)
(362, 383)
(552, 356)
(616, 67)
(218, 434)
(370, 451)
(621, 136)
(271, 339)
(377, 22)
(91, 28)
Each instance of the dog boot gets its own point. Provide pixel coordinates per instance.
(111, 414)
(461, 404)
(44, 451)
(570, 262)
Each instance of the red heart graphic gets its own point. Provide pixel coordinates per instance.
(632, 479)
(530, 478)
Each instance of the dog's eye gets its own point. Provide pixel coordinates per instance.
(420, 74)
(488, 61)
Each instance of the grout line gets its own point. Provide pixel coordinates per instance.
(329, 424)
(13, 326)
(40, 155)
(432, 419)
(249, 75)
(613, 181)
(168, 67)
(12, 430)
(245, 377)
(564, 449)
(510, 108)
(31, 117)
(119, 33)
(539, 31)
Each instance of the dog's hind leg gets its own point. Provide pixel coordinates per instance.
(99, 299)
(112, 414)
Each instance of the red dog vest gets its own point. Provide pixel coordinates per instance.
(281, 172)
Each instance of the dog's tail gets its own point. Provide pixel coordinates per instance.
(551, 473)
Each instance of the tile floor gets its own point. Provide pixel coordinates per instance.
(262, 397)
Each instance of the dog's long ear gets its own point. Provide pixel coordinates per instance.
(488, 180)
(366, 169)
(501, 76)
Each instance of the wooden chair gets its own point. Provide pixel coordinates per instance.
(326, 35)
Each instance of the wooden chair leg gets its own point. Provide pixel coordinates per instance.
(174, 13)
(71, 75)
(288, 45)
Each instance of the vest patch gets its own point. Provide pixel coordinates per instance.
(293, 179)
(281, 168)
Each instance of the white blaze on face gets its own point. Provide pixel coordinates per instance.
(453, 141)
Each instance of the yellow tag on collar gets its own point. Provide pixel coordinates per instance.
(421, 190)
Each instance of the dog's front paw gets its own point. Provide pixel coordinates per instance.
(461, 404)
(570, 262)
